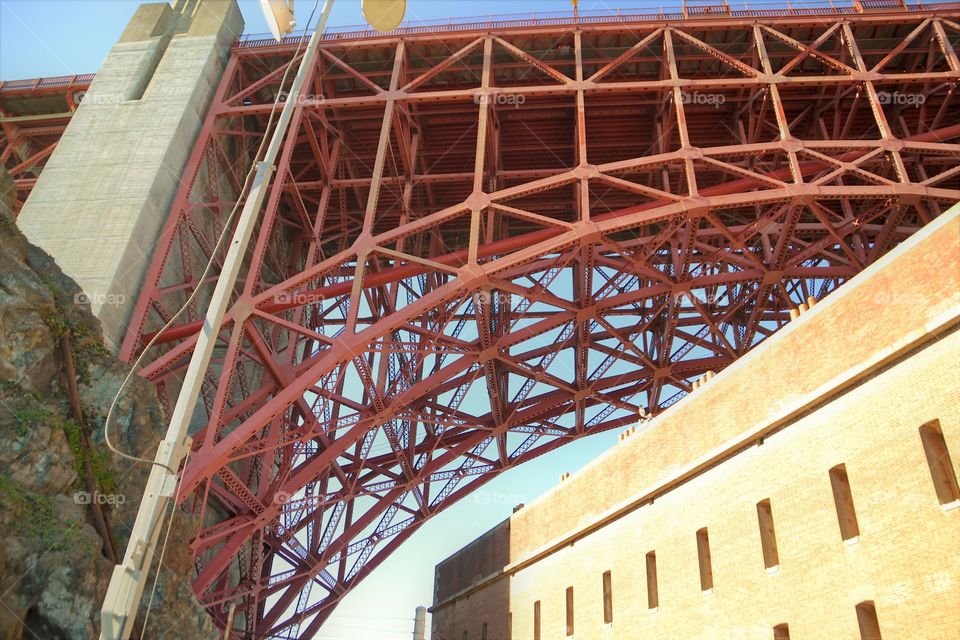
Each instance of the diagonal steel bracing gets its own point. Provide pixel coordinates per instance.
(481, 245)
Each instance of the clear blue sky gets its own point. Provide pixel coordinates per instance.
(61, 37)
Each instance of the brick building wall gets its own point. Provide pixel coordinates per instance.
(849, 383)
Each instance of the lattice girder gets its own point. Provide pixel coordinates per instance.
(481, 246)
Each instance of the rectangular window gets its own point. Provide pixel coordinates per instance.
(867, 619)
(768, 537)
(536, 620)
(703, 553)
(464, 635)
(607, 598)
(938, 459)
(509, 625)
(569, 611)
(781, 632)
(653, 598)
(483, 631)
(843, 498)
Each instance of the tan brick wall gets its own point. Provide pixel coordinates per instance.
(906, 558)
(480, 558)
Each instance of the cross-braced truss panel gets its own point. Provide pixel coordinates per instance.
(481, 246)
(33, 116)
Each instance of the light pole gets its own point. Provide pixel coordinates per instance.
(129, 578)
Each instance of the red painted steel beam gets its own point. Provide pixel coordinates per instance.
(26, 145)
(446, 286)
(505, 246)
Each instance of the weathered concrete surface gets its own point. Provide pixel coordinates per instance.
(101, 201)
(482, 557)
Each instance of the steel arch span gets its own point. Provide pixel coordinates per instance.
(484, 243)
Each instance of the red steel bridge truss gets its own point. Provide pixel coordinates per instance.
(33, 115)
(482, 244)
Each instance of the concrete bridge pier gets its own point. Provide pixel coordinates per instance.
(100, 203)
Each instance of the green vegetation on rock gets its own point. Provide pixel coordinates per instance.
(35, 518)
(86, 345)
(104, 475)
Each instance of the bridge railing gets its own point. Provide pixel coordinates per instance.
(53, 82)
(547, 18)
(687, 10)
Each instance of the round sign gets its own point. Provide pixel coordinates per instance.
(384, 15)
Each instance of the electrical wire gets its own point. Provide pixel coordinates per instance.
(163, 551)
(206, 270)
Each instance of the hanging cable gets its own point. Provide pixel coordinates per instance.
(177, 496)
(209, 265)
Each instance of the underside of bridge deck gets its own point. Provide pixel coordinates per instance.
(33, 115)
(480, 245)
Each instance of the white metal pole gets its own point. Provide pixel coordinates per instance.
(420, 624)
(129, 578)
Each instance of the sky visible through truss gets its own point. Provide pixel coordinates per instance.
(65, 37)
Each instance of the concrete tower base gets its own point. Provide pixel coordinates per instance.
(101, 201)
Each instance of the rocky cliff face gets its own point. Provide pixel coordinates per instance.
(54, 568)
